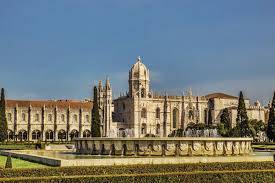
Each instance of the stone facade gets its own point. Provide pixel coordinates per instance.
(48, 120)
(145, 112)
(141, 111)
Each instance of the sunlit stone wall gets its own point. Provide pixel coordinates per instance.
(164, 146)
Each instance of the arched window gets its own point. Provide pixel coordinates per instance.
(191, 114)
(49, 135)
(175, 117)
(123, 106)
(23, 117)
(63, 118)
(36, 135)
(143, 93)
(158, 113)
(9, 116)
(36, 117)
(75, 118)
(74, 134)
(144, 113)
(87, 133)
(49, 117)
(158, 129)
(143, 128)
(22, 135)
(10, 135)
(62, 135)
(87, 118)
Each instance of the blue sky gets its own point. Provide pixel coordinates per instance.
(58, 49)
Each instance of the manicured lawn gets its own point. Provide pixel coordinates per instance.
(18, 163)
(264, 146)
(17, 146)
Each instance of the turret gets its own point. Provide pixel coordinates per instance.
(139, 82)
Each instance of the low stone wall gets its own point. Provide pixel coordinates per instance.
(164, 146)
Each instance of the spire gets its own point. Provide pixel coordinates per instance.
(100, 85)
(108, 85)
(190, 92)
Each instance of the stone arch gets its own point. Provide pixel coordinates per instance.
(143, 113)
(62, 135)
(87, 133)
(49, 135)
(143, 93)
(22, 135)
(10, 135)
(74, 134)
(175, 117)
(143, 128)
(158, 129)
(157, 112)
(36, 135)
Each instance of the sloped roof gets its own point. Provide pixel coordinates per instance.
(50, 103)
(220, 95)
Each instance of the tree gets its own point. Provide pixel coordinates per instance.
(242, 114)
(95, 116)
(270, 132)
(224, 126)
(243, 128)
(3, 119)
(8, 162)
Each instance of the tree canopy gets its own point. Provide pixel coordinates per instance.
(95, 116)
(270, 132)
(3, 119)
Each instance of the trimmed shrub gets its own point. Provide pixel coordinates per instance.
(8, 162)
(134, 169)
(245, 176)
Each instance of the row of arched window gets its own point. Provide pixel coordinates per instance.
(144, 113)
(49, 135)
(50, 117)
(175, 115)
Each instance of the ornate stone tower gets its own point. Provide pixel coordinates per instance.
(105, 106)
(107, 109)
(139, 82)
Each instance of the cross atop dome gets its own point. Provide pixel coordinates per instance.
(138, 59)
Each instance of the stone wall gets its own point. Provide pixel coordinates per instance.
(164, 146)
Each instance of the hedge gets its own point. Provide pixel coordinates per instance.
(229, 176)
(134, 169)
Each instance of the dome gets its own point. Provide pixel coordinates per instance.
(139, 71)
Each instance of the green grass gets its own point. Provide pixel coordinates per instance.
(17, 146)
(263, 146)
(18, 163)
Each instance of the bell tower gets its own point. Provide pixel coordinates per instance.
(139, 82)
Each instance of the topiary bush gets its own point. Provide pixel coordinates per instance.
(8, 162)
(135, 169)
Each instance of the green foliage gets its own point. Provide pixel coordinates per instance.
(3, 119)
(194, 177)
(242, 113)
(8, 162)
(18, 164)
(134, 169)
(243, 127)
(258, 125)
(212, 172)
(224, 126)
(95, 116)
(270, 132)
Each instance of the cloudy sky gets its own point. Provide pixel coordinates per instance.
(59, 49)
